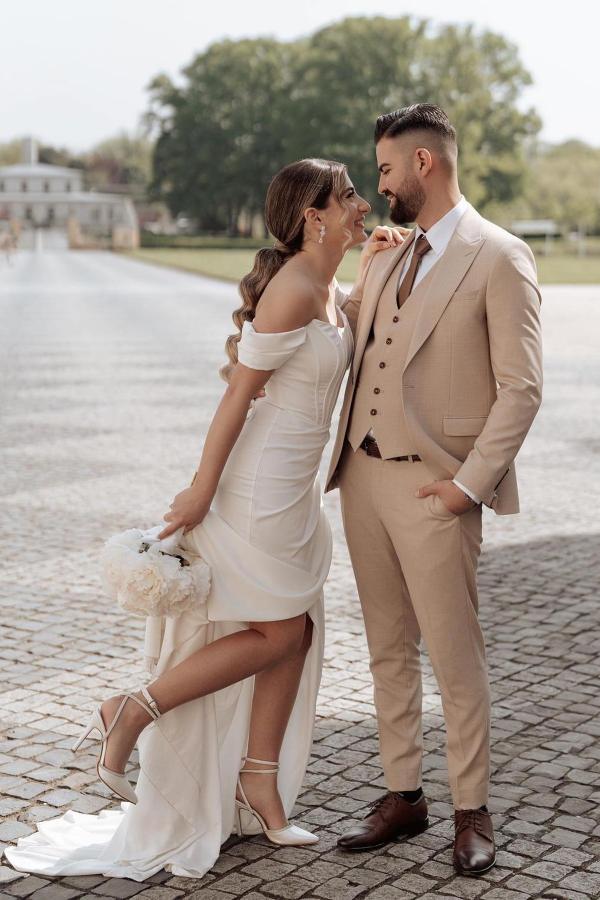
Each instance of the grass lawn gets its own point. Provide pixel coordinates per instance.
(231, 265)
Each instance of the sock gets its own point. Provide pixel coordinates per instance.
(411, 796)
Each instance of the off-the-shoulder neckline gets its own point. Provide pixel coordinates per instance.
(302, 327)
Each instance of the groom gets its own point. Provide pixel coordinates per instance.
(445, 383)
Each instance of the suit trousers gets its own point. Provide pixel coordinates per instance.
(415, 565)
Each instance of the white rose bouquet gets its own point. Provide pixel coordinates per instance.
(148, 577)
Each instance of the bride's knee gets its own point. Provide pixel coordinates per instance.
(286, 637)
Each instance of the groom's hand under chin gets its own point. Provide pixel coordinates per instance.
(450, 494)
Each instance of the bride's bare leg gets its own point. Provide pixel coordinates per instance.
(219, 664)
(275, 691)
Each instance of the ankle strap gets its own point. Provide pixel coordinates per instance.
(266, 762)
(151, 707)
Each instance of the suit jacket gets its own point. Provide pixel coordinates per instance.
(472, 381)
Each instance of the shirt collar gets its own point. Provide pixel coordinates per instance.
(441, 231)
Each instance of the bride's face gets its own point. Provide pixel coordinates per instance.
(344, 218)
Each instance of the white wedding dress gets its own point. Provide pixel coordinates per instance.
(268, 543)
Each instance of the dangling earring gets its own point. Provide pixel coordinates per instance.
(321, 234)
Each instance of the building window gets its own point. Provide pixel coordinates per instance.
(28, 213)
(68, 186)
(1, 185)
(96, 215)
(24, 187)
(46, 186)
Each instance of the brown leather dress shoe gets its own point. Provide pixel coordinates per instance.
(387, 817)
(474, 847)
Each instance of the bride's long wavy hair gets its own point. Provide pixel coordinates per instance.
(299, 185)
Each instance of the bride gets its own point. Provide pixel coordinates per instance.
(242, 685)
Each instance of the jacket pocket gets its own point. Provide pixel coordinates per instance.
(466, 295)
(463, 425)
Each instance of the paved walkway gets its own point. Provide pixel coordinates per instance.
(108, 382)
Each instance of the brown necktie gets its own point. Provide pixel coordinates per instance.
(422, 246)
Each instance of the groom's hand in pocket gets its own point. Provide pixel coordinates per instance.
(455, 500)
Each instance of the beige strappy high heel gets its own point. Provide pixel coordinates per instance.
(116, 781)
(289, 835)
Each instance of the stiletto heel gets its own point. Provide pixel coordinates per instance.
(88, 728)
(116, 781)
(289, 835)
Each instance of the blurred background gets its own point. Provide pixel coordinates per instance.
(155, 131)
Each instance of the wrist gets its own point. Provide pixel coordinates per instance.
(200, 489)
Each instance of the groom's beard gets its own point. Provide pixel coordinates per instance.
(406, 205)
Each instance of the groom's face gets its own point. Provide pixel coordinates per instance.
(398, 181)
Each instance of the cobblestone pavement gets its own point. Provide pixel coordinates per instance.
(109, 380)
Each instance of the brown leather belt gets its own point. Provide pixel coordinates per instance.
(369, 445)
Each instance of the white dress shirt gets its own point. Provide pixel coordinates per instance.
(439, 237)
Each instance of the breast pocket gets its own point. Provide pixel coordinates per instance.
(460, 296)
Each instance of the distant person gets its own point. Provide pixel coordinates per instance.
(245, 686)
(445, 384)
(8, 244)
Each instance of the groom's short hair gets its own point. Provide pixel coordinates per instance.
(425, 117)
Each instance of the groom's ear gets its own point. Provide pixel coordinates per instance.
(423, 160)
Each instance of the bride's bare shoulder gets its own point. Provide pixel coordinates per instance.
(289, 301)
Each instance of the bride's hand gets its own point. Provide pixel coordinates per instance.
(381, 238)
(188, 508)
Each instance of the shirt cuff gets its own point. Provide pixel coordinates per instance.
(467, 491)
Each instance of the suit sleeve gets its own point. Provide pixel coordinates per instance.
(513, 320)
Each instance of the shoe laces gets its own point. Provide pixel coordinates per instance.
(379, 802)
(471, 818)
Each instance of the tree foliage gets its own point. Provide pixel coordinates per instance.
(248, 107)
(564, 185)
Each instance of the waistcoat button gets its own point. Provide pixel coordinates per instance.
(376, 390)
(382, 365)
(373, 412)
(388, 341)
(395, 319)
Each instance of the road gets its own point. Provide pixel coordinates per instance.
(108, 384)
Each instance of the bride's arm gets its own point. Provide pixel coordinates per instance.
(191, 505)
(382, 238)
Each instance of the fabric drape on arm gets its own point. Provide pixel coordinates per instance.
(268, 350)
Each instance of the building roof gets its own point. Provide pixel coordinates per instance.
(50, 197)
(43, 170)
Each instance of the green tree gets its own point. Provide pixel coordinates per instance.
(10, 152)
(248, 107)
(124, 160)
(221, 136)
(352, 71)
(564, 185)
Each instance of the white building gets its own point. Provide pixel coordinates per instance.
(36, 195)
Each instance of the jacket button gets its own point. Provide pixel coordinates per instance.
(388, 341)
(382, 365)
(376, 390)
(373, 412)
(395, 319)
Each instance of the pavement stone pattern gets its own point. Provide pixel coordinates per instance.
(108, 384)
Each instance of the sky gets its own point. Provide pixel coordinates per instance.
(73, 73)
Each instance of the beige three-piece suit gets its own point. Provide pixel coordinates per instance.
(454, 376)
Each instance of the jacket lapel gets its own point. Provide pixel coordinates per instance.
(445, 277)
(371, 297)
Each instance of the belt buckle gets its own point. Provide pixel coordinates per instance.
(368, 445)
